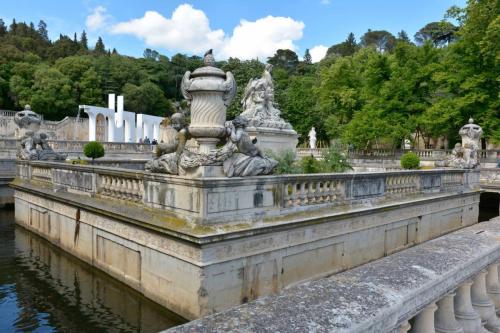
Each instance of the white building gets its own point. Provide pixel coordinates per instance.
(114, 124)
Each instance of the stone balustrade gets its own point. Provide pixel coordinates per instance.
(490, 178)
(214, 200)
(77, 146)
(485, 156)
(449, 284)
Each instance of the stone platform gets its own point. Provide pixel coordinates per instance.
(199, 246)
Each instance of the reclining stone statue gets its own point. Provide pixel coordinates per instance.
(34, 144)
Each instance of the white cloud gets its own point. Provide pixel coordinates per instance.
(188, 30)
(97, 19)
(318, 52)
(261, 38)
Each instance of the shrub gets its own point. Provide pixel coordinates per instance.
(334, 160)
(410, 160)
(286, 162)
(311, 165)
(93, 150)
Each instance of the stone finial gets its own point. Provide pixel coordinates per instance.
(471, 121)
(208, 58)
(27, 107)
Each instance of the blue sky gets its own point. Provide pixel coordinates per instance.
(245, 29)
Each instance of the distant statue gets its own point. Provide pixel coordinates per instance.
(258, 102)
(312, 138)
(34, 144)
(465, 155)
(407, 144)
(249, 160)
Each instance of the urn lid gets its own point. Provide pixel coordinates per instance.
(209, 69)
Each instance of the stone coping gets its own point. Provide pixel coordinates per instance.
(375, 297)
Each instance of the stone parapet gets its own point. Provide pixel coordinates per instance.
(215, 200)
(448, 284)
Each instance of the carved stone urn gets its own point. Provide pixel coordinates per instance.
(209, 91)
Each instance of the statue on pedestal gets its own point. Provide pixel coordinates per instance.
(34, 144)
(312, 138)
(258, 103)
(465, 155)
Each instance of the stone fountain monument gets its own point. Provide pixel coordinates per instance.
(34, 144)
(265, 121)
(209, 92)
(465, 155)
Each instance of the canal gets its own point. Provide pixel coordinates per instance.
(43, 289)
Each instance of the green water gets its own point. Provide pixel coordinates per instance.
(43, 289)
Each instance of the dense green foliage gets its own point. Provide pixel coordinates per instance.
(93, 150)
(410, 160)
(332, 160)
(380, 90)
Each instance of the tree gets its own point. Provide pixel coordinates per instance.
(151, 54)
(99, 48)
(42, 30)
(403, 36)
(286, 59)
(439, 33)
(146, 98)
(3, 28)
(383, 40)
(307, 57)
(51, 94)
(346, 48)
(84, 41)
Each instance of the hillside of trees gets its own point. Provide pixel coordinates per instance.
(380, 89)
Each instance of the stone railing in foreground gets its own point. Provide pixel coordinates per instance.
(219, 200)
(449, 284)
(199, 246)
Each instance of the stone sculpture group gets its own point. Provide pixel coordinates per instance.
(465, 154)
(258, 103)
(223, 146)
(34, 144)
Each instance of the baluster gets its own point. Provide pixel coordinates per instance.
(464, 312)
(483, 304)
(405, 327)
(445, 321)
(493, 286)
(302, 194)
(424, 322)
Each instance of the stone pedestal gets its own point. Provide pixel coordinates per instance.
(274, 139)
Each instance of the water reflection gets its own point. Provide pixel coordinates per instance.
(44, 289)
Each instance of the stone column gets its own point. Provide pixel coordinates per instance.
(92, 126)
(424, 322)
(405, 327)
(444, 320)
(465, 314)
(111, 129)
(483, 304)
(493, 285)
